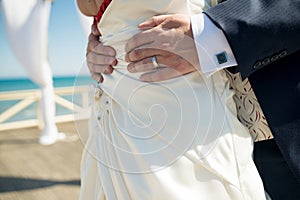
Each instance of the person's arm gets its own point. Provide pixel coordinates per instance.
(213, 50)
(99, 58)
(167, 37)
(181, 45)
(259, 32)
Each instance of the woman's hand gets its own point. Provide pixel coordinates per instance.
(100, 58)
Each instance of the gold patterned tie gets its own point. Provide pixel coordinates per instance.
(248, 109)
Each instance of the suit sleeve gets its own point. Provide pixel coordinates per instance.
(259, 32)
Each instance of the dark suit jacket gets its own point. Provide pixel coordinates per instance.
(265, 38)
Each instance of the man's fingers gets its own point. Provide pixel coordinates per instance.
(152, 22)
(145, 52)
(143, 65)
(140, 39)
(160, 75)
(146, 36)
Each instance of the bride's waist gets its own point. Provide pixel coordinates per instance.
(124, 83)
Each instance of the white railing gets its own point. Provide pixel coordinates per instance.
(28, 97)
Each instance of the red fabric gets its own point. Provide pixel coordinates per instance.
(102, 8)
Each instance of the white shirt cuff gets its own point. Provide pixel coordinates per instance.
(210, 43)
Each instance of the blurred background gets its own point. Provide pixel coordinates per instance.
(28, 169)
(66, 46)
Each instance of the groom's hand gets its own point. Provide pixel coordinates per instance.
(167, 37)
(100, 58)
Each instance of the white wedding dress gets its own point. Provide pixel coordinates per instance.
(174, 139)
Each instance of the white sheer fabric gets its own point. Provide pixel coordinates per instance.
(26, 24)
(27, 30)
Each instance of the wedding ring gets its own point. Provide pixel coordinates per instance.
(154, 62)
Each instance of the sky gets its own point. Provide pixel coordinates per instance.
(67, 43)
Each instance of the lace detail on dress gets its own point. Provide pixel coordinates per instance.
(248, 109)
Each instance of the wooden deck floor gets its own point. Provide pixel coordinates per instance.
(29, 171)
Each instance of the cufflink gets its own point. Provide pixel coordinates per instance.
(222, 57)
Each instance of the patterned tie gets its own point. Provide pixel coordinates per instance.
(248, 109)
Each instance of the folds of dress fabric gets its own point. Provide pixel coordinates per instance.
(174, 139)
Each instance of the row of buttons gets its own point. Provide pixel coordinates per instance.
(259, 64)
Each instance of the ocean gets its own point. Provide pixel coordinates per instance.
(8, 85)
(27, 84)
